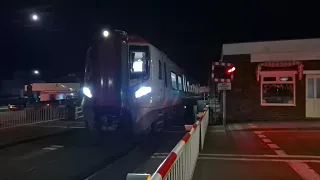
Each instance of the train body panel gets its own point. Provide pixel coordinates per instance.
(132, 84)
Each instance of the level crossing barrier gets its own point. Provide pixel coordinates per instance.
(181, 161)
(31, 116)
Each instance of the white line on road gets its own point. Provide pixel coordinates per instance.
(260, 159)
(267, 140)
(257, 132)
(262, 136)
(50, 148)
(262, 155)
(273, 146)
(253, 126)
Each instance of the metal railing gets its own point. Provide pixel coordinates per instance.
(31, 116)
(181, 161)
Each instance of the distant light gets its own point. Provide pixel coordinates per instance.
(35, 17)
(36, 72)
(105, 33)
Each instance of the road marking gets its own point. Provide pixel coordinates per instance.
(273, 146)
(267, 140)
(262, 136)
(263, 155)
(290, 130)
(253, 126)
(52, 147)
(158, 157)
(299, 166)
(155, 154)
(281, 153)
(57, 146)
(304, 170)
(260, 159)
(257, 132)
(250, 124)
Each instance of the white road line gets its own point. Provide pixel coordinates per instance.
(267, 140)
(262, 136)
(50, 148)
(253, 126)
(273, 146)
(262, 155)
(158, 157)
(281, 153)
(300, 167)
(257, 132)
(56, 146)
(304, 170)
(260, 159)
(250, 124)
(290, 130)
(160, 154)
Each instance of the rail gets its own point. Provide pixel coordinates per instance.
(31, 116)
(181, 161)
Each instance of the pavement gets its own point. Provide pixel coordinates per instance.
(266, 150)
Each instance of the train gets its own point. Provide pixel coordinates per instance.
(132, 87)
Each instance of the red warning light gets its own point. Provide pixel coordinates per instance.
(231, 70)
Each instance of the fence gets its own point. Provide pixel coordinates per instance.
(181, 161)
(78, 113)
(31, 116)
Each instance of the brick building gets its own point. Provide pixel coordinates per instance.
(274, 80)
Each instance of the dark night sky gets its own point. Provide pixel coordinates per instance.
(191, 34)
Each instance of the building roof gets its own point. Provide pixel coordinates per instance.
(281, 46)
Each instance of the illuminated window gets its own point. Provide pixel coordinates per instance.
(188, 86)
(278, 88)
(138, 61)
(180, 83)
(174, 80)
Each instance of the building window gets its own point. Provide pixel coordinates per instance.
(180, 83)
(278, 88)
(174, 80)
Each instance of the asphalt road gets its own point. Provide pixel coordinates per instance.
(78, 155)
(260, 154)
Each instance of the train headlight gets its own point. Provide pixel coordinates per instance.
(142, 91)
(87, 92)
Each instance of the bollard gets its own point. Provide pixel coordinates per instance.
(133, 176)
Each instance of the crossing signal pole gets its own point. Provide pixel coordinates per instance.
(222, 76)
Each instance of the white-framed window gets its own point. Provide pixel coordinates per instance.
(278, 88)
(174, 80)
(180, 83)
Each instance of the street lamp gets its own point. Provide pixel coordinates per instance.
(34, 17)
(105, 33)
(36, 72)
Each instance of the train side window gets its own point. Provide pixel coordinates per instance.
(180, 83)
(188, 86)
(160, 70)
(174, 80)
(165, 74)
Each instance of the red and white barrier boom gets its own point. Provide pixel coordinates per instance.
(181, 161)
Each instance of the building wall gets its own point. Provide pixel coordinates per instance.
(243, 101)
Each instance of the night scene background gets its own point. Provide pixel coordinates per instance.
(190, 33)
